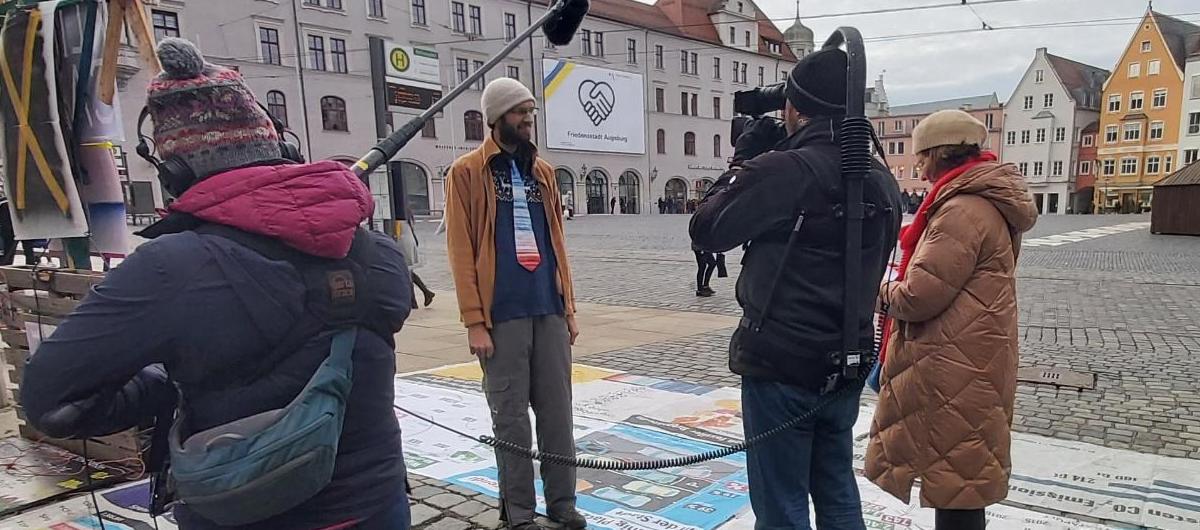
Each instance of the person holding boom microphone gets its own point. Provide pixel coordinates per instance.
(792, 298)
(504, 237)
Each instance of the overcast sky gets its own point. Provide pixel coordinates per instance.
(980, 62)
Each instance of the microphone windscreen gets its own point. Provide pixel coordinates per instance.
(561, 28)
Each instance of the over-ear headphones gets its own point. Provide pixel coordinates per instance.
(175, 173)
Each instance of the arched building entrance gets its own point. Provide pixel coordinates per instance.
(597, 191)
(416, 185)
(628, 186)
(702, 187)
(675, 194)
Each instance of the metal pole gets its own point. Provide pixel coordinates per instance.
(300, 72)
(388, 148)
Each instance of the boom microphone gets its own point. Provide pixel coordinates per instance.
(561, 28)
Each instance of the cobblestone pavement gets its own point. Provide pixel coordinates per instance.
(1125, 307)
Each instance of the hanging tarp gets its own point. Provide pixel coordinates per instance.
(38, 176)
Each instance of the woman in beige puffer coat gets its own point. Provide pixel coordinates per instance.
(948, 378)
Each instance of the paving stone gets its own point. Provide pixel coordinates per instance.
(489, 519)
(465, 492)
(425, 492)
(449, 523)
(469, 509)
(445, 500)
(423, 513)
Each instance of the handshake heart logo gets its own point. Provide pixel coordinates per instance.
(597, 99)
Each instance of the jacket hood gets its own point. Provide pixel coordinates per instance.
(314, 208)
(1002, 185)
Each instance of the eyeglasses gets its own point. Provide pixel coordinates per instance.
(525, 111)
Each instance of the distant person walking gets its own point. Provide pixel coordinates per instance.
(706, 264)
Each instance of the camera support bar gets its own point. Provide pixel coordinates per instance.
(388, 147)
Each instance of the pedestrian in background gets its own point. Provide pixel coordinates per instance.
(508, 255)
(949, 364)
(412, 257)
(706, 264)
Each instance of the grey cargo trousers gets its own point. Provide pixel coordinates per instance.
(531, 366)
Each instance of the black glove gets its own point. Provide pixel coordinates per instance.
(148, 392)
(759, 136)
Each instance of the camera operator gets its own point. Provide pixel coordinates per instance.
(786, 355)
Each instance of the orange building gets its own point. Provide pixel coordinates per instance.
(1139, 120)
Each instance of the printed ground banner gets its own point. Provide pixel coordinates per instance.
(122, 507)
(32, 473)
(38, 176)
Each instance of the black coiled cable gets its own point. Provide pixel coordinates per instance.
(855, 144)
(620, 465)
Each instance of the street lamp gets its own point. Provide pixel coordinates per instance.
(654, 174)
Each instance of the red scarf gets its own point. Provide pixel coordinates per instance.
(911, 234)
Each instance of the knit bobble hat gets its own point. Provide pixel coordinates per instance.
(948, 127)
(205, 114)
(817, 84)
(501, 96)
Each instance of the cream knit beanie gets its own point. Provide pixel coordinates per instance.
(500, 96)
(948, 127)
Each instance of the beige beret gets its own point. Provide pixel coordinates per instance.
(948, 127)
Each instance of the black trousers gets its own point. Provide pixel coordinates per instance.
(960, 520)
(706, 264)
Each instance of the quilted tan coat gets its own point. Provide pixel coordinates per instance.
(949, 381)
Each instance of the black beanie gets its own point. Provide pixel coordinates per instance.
(817, 84)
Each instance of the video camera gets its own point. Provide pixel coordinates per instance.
(753, 104)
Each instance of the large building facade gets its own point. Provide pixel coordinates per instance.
(1189, 125)
(308, 62)
(1140, 119)
(1051, 105)
(895, 125)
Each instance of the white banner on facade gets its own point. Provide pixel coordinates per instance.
(593, 109)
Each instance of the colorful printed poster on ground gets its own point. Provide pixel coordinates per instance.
(122, 508)
(32, 473)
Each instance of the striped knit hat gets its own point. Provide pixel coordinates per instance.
(205, 114)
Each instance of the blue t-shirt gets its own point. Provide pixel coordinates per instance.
(521, 293)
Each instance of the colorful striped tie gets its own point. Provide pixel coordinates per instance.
(526, 241)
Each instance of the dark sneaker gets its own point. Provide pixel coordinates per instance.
(572, 520)
(705, 292)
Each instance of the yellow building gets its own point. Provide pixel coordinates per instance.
(1139, 117)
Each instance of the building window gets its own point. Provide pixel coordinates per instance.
(1028, 102)
(915, 122)
(898, 126)
(514, 72)
(1135, 69)
(1048, 101)
(1156, 130)
(1110, 134)
(631, 49)
(418, 12)
(337, 50)
(1129, 166)
(1196, 86)
(1041, 135)
(316, 52)
(659, 99)
(599, 38)
(762, 76)
(1160, 98)
(1136, 100)
(429, 129)
(585, 42)
(316, 3)
(683, 103)
(1037, 168)
(683, 62)
(716, 146)
(716, 67)
(660, 139)
(1190, 155)
(1088, 140)
(1133, 132)
(334, 4)
(732, 36)
(747, 38)
(735, 71)
(478, 82)
(899, 172)
(1058, 167)
(1025, 137)
(458, 17)
(476, 20)
(166, 24)
(881, 126)
(473, 125)
(268, 42)
(717, 107)
(988, 121)
(277, 106)
(1011, 138)
(1153, 67)
(744, 65)
(463, 69)
(1152, 164)
(1109, 167)
(1145, 46)
(695, 104)
(1167, 165)
(1039, 76)
(658, 56)
(510, 27)
(1060, 134)
(375, 8)
(1193, 123)
(1114, 103)
(1023, 167)
(689, 144)
(333, 114)
(1085, 167)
